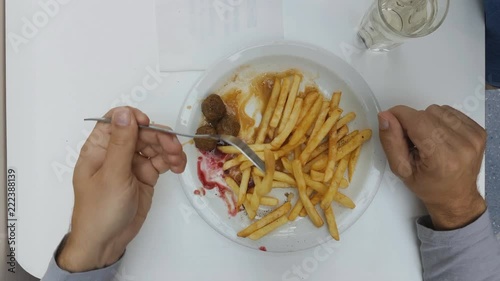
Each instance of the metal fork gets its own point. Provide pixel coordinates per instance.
(234, 141)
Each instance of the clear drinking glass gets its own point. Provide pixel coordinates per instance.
(389, 23)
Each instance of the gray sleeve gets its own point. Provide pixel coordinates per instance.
(471, 253)
(55, 273)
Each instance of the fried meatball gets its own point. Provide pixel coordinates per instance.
(228, 125)
(206, 144)
(213, 108)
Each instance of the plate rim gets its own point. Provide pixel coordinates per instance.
(234, 57)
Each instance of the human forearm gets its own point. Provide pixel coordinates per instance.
(457, 213)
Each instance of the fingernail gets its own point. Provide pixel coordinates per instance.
(383, 124)
(121, 117)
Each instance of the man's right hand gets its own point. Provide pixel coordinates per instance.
(114, 181)
(438, 154)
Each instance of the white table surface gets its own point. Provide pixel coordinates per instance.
(94, 52)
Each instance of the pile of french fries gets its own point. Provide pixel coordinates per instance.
(306, 144)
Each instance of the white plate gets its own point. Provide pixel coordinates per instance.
(329, 73)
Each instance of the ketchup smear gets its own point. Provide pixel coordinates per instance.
(211, 176)
(262, 248)
(200, 192)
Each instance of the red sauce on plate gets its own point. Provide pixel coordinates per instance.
(211, 176)
(262, 248)
(200, 192)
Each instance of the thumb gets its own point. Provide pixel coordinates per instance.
(395, 144)
(122, 143)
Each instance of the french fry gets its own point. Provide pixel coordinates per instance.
(344, 200)
(297, 151)
(309, 100)
(298, 206)
(289, 148)
(353, 160)
(269, 201)
(286, 164)
(358, 140)
(315, 141)
(274, 215)
(267, 182)
(265, 200)
(278, 176)
(314, 200)
(317, 186)
(332, 190)
(231, 163)
(245, 165)
(290, 103)
(228, 149)
(261, 156)
(345, 119)
(250, 212)
(290, 124)
(256, 178)
(265, 186)
(233, 185)
(344, 183)
(319, 150)
(245, 178)
(243, 159)
(279, 184)
(271, 132)
(268, 228)
(255, 199)
(320, 187)
(301, 184)
(320, 121)
(266, 118)
(332, 151)
(317, 176)
(335, 101)
(304, 125)
(309, 132)
(303, 213)
(280, 106)
(342, 132)
(320, 165)
(332, 224)
(307, 168)
(347, 138)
